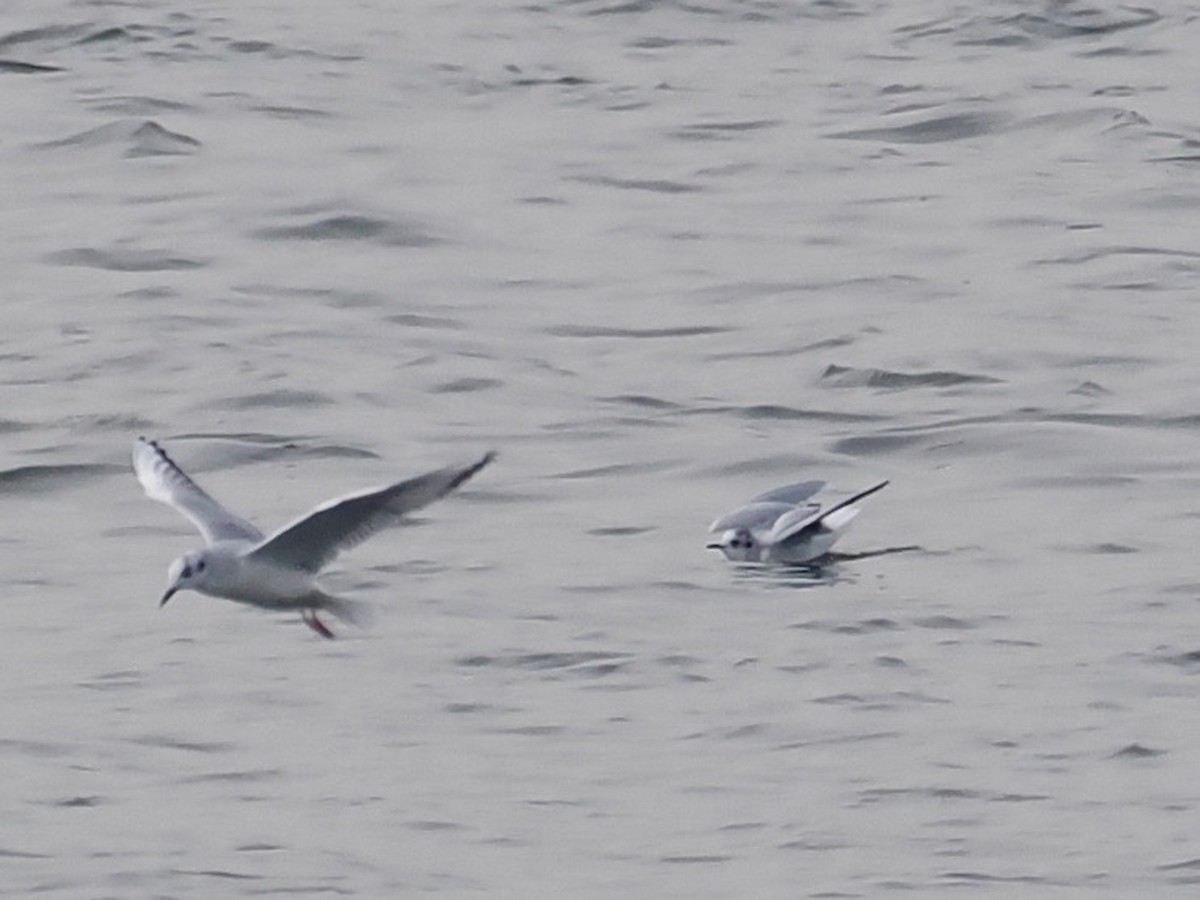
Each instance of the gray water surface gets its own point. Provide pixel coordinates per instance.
(663, 256)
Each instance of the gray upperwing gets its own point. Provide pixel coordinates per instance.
(791, 493)
(167, 483)
(753, 515)
(766, 509)
(311, 543)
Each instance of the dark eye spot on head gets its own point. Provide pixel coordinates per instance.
(187, 572)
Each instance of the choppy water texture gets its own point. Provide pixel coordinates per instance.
(663, 256)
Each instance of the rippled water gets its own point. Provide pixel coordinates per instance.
(663, 256)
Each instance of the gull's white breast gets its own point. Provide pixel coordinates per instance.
(237, 576)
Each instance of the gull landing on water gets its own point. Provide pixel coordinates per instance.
(786, 525)
(279, 572)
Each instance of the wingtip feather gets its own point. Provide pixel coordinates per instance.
(472, 470)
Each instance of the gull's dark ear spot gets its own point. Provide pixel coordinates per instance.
(200, 566)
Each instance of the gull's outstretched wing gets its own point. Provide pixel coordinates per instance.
(804, 519)
(311, 543)
(167, 483)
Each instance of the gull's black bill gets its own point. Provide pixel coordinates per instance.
(167, 596)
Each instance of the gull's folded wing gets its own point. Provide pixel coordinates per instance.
(311, 543)
(167, 483)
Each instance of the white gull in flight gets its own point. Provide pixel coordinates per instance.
(279, 572)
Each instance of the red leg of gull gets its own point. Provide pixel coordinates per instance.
(311, 620)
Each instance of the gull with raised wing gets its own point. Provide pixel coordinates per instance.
(279, 572)
(786, 525)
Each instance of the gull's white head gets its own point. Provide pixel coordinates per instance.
(190, 571)
(738, 544)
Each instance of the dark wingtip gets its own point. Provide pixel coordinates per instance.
(488, 457)
(850, 501)
(466, 474)
(867, 493)
(162, 454)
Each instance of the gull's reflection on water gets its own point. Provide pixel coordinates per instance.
(823, 571)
